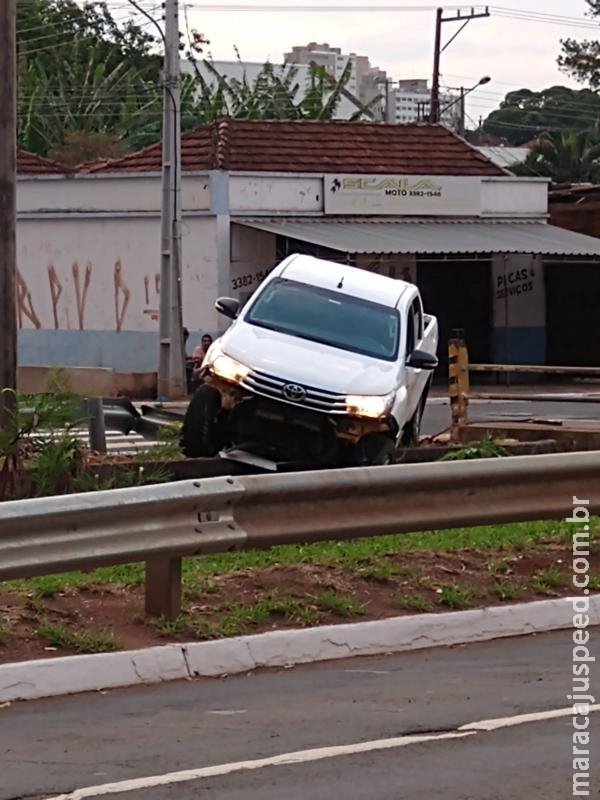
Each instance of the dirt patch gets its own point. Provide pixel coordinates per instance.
(107, 617)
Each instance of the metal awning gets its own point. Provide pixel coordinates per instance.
(358, 236)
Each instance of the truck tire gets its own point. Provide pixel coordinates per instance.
(412, 429)
(200, 435)
(374, 450)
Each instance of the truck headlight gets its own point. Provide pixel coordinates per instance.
(369, 405)
(229, 369)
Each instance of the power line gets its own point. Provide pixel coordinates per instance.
(339, 8)
(322, 8)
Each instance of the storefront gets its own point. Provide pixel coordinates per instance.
(413, 202)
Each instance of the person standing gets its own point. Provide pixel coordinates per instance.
(198, 357)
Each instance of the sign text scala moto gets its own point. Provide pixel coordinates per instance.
(402, 194)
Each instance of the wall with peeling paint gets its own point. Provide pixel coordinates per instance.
(276, 193)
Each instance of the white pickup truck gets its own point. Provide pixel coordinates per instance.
(325, 364)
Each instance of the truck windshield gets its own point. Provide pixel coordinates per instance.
(331, 318)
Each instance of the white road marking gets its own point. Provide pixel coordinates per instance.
(306, 756)
(300, 757)
(508, 722)
(226, 712)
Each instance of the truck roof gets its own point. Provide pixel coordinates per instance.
(355, 282)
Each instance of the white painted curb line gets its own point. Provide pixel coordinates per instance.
(29, 680)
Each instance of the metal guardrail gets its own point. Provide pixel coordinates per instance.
(161, 524)
(98, 415)
(535, 369)
(459, 390)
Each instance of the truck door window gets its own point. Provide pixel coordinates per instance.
(418, 318)
(410, 331)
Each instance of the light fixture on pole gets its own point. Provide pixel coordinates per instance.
(461, 99)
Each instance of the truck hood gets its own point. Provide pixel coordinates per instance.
(308, 363)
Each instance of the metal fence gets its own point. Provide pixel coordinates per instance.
(161, 524)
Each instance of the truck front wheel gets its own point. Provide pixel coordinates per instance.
(374, 450)
(200, 434)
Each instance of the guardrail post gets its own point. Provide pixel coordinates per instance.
(458, 374)
(163, 587)
(96, 425)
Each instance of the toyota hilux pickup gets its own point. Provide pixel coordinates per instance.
(326, 364)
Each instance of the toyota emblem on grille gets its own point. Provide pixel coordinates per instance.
(294, 392)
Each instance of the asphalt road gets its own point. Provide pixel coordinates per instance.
(59, 745)
(437, 411)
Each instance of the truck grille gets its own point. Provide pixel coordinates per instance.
(294, 393)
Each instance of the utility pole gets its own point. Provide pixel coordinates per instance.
(434, 111)
(171, 366)
(8, 210)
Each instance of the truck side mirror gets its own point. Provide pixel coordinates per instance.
(419, 359)
(228, 306)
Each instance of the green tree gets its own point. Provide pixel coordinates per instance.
(77, 71)
(565, 157)
(582, 59)
(45, 27)
(524, 115)
(90, 88)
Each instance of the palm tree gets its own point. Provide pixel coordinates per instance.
(565, 157)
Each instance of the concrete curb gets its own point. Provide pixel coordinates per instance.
(29, 680)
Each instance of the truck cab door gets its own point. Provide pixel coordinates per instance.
(415, 378)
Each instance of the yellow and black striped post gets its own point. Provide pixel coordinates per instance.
(458, 374)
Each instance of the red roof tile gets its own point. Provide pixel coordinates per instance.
(282, 146)
(32, 164)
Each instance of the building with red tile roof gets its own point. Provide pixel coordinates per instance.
(314, 146)
(32, 164)
(412, 201)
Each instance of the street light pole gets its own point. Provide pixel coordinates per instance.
(8, 213)
(171, 368)
(461, 100)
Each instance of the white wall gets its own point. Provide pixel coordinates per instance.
(519, 309)
(514, 197)
(253, 255)
(116, 264)
(519, 293)
(501, 197)
(112, 194)
(89, 289)
(275, 193)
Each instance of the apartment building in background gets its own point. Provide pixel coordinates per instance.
(366, 81)
(410, 101)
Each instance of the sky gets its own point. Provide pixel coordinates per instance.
(513, 52)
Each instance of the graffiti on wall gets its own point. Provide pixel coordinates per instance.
(122, 296)
(25, 303)
(152, 302)
(56, 290)
(27, 307)
(81, 293)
